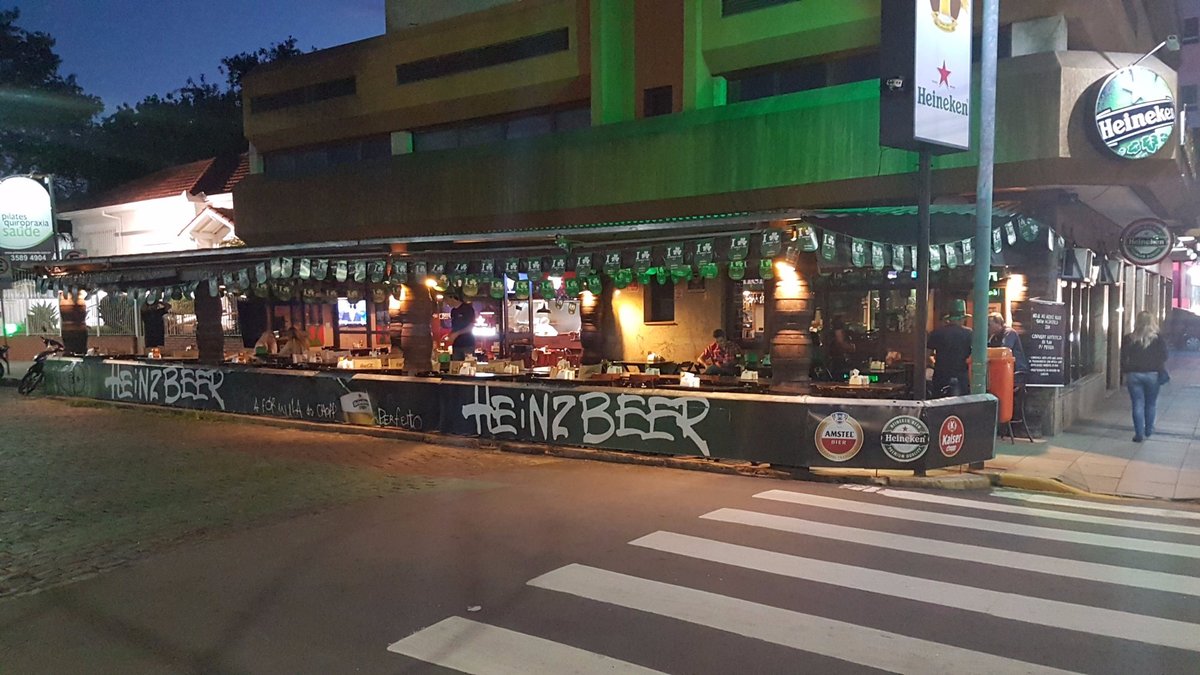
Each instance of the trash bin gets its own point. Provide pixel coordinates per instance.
(1000, 380)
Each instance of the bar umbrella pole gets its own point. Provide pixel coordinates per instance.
(983, 191)
(925, 196)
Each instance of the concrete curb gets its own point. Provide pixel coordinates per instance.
(1018, 481)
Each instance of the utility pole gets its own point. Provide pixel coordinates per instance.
(983, 192)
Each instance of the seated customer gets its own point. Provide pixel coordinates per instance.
(720, 357)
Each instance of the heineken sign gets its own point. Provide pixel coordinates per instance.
(1135, 112)
(942, 76)
(1146, 242)
(26, 221)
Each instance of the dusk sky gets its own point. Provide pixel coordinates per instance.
(124, 50)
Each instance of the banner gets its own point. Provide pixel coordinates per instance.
(1046, 344)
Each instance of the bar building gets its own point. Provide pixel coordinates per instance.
(727, 153)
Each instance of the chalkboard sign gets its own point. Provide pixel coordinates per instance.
(1046, 344)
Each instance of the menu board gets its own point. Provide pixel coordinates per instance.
(1046, 344)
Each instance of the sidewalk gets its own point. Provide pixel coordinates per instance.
(1098, 454)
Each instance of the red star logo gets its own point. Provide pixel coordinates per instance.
(945, 75)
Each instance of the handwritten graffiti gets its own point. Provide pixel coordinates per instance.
(406, 419)
(294, 409)
(167, 385)
(589, 418)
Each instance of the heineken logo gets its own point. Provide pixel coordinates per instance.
(1135, 112)
(946, 102)
(1146, 242)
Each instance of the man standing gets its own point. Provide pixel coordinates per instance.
(720, 357)
(1000, 335)
(951, 347)
(462, 323)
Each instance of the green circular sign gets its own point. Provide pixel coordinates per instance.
(1135, 112)
(1146, 242)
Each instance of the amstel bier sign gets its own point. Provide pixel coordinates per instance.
(1135, 112)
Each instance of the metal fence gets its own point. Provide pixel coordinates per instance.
(26, 311)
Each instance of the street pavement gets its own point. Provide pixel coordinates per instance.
(536, 565)
(1098, 454)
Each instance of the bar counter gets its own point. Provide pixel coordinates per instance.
(655, 416)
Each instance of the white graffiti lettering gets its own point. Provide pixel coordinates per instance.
(407, 419)
(169, 385)
(598, 418)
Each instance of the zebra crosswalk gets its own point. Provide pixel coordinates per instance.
(872, 579)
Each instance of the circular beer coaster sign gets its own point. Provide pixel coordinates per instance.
(1146, 242)
(905, 438)
(1135, 112)
(951, 436)
(839, 437)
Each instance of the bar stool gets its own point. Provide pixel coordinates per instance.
(1018, 416)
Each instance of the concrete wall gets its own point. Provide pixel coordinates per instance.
(150, 226)
(697, 313)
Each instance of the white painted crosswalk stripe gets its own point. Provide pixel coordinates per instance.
(1111, 574)
(979, 505)
(984, 524)
(846, 641)
(472, 647)
(1051, 500)
(1052, 613)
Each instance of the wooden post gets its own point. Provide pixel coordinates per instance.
(210, 337)
(791, 345)
(72, 312)
(410, 329)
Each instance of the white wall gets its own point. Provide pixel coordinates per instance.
(150, 226)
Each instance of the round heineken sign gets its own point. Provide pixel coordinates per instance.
(1146, 242)
(25, 219)
(1135, 112)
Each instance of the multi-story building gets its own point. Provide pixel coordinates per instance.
(673, 136)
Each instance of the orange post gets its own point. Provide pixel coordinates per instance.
(1001, 365)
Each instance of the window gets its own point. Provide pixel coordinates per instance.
(445, 65)
(732, 7)
(312, 93)
(657, 101)
(1191, 30)
(659, 301)
(790, 78)
(483, 131)
(312, 160)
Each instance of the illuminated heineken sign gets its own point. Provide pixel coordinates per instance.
(1135, 112)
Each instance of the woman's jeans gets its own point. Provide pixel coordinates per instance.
(1143, 393)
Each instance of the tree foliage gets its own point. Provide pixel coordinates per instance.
(45, 117)
(200, 119)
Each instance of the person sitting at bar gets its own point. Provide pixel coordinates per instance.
(839, 349)
(267, 342)
(720, 357)
(951, 347)
(297, 342)
(462, 323)
(1001, 335)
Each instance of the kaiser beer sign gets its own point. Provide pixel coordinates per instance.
(26, 220)
(1135, 112)
(925, 69)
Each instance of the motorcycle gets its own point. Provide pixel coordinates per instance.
(37, 372)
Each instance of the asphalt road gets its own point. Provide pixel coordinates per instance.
(527, 565)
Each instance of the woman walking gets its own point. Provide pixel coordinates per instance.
(1144, 366)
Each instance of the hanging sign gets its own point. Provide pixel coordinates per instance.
(1135, 112)
(260, 273)
(512, 268)
(360, 271)
(461, 267)
(674, 255)
(642, 260)
(1146, 242)
(877, 255)
(968, 250)
(574, 286)
(951, 256)
(898, 257)
(737, 270)
(772, 242)
(437, 268)
(1028, 228)
(828, 246)
(534, 267)
(304, 269)
(487, 268)
(1010, 233)
(375, 270)
(997, 244)
(341, 271)
(583, 265)
(858, 252)
(612, 263)
(594, 286)
(320, 269)
(739, 247)
(399, 272)
(1047, 344)
(26, 220)
(935, 258)
(558, 265)
(766, 269)
(521, 289)
(808, 238)
(704, 251)
(546, 289)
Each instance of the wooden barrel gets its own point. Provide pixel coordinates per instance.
(72, 314)
(410, 328)
(791, 356)
(210, 335)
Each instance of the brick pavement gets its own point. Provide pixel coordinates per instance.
(85, 488)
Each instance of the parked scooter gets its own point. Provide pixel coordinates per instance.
(37, 372)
